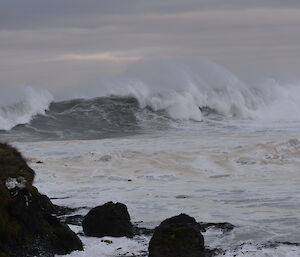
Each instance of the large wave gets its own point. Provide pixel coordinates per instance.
(18, 105)
(184, 90)
(162, 90)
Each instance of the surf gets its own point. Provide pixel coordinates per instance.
(149, 96)
(19, 107)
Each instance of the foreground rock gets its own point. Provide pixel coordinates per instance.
(178, 236)
(110, 219)
(27, 226)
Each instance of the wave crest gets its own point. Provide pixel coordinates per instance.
(184, 90)
(21, 110)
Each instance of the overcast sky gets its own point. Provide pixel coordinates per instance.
(65, 43)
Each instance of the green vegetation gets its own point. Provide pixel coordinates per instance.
(3, 254)
(25, 223)
(12, 165)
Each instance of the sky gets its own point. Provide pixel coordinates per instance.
(62, 44)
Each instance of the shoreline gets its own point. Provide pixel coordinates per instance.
(130, 175)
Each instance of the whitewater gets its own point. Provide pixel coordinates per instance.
(167, 138)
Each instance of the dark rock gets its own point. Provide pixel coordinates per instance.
(213, 252)
(13, 165)
(110, 219)
(64, 210)
(288, 243)
(137, 231)
(182, 196)
(224, 226)
(46, 205)
(183, 219)
(63, 239)
(178, 236)
(202, 226)
(274, 244)
(27, 227)
(74, 220)
(107, 241)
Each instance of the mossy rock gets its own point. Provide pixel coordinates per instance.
(13, 164)
(176, 241)
(109, 219)
(5, 197)
(177, 237)
(3, 254)
(27, 225)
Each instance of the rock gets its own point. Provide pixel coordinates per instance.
(178, 236)
(110, 219)
(27, 227)
(224, 226)
(64, 210)
(63, 238)
(74, 219)
(46, 205)
(181, 219)
(138, 231)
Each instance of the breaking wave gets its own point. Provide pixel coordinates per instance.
(148, 96)
(182, 90)
(20, 104)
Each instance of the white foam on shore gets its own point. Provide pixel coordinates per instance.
(251, 180)
(110, 246)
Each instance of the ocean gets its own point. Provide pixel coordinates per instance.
(164, 139)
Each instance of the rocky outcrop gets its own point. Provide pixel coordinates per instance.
(223, 226)
(110, 219)
(178, 236)
(27, 226)
(183, 219)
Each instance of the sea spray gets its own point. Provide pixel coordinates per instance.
(150, 97)
(181, 88)
(21, 109)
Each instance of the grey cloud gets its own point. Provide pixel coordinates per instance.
(34, 14)
(247, 36)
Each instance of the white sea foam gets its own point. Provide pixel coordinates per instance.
(181, 89)
(250, 180)
(177, 88)
(19, 104)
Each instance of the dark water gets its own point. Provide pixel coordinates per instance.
(96, 118)
(109, 117)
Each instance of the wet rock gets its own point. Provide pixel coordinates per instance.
(224, 226)
(27, 226)
(288, 243)
(182, 196)
(178, 236)
(214, 252)
(274, 244)
(46, 205)
(63, 238)
(64, 210)
(181, 219)
(137, 231)
(110, 219)
(74, 219)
